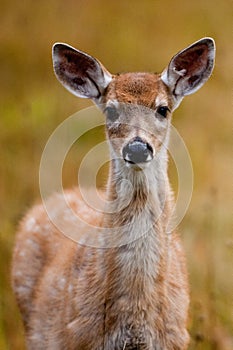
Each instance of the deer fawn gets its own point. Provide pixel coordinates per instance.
(133, 295)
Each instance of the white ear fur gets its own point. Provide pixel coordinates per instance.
(80, 73)
(190, 68)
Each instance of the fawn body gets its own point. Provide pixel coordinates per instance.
(133, 295)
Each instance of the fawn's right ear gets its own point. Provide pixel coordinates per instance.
(80, 73)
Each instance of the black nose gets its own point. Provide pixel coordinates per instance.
(137, 151)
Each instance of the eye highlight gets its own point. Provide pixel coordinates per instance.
(112, 113)
(163, 111)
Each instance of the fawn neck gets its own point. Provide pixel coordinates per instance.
(139, 204)
(139, 211)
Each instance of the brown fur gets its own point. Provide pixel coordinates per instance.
(76, 297)
(131, 88)
(102, 303)
(133, 295)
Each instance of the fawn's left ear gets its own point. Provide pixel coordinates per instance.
(190, 68)
(80, 73)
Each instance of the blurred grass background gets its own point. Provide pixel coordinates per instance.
(125, 36)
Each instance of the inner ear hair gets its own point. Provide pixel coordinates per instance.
(79, 72)
(190, 68)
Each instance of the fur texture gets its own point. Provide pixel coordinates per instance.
(134, 295)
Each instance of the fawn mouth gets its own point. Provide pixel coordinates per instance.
(137, 166)
(131, 162)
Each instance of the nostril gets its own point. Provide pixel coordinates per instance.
(150, 149)
(137, 152)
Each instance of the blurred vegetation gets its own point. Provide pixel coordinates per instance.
(125, 36)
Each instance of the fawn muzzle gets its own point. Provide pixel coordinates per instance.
(137, 151)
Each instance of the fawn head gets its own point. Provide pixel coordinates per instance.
(138, 106)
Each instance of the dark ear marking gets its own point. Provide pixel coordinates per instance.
(79, 72)
(190, 68)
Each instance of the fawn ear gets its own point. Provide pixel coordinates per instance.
(190, 68)
(80, 73)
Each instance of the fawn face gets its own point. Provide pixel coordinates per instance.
(137, 106)
(138, 113)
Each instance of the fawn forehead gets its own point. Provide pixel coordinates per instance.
(138, 88)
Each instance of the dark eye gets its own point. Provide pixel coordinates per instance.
(163, 111)
(111, 113)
